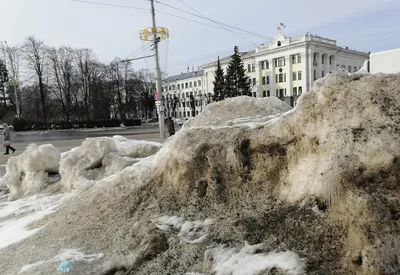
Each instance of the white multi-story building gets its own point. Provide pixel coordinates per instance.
(189, 92)
(285, 67)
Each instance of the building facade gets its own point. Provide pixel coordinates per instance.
(185, 95)
(285, 68)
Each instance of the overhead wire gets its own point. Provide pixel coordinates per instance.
(218, 24)
(110, 5)
(143, 48)
(214, 21)
(169, 14)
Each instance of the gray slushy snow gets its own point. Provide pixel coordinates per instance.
(239, 110)
(312, 190)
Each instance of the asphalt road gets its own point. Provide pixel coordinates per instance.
(65, 140)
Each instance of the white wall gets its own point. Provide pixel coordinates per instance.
(385, 62)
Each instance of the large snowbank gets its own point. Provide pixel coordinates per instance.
(239, 110)
(317, 186)
(98, 158)
(28, 173)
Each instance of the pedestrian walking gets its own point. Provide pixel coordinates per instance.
(171, 127)
(7, 139)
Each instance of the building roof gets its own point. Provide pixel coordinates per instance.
(228, 58)
(183, 76)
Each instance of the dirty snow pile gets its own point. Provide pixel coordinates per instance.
(28, 173)
(312, 191)
(239, 110)
(98, 158)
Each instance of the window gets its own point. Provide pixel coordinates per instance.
(199, 83)
(254, 82)
(187, 94)
(262, 65)
(254, 94)
(253, 68)
(323, 59)
(195, 84)
(266, 64)
(179, 86)
(315, 75)
(280, 62)
(250, 81)
(300, 90)
(298, 58)
(280, 78)
(268, 93)
(315, 57)
(279, 43)
(197, 112)
(267, 79)
(170, 88)
(248, 68)
(188, 113)
(281, 92)
(263, 80)
(295, 91)
(349, 69)
(264, 93)
(299, 75)
(276, 78)
(293, 59)
(355, 69)
(294, 76)
(191, 93)
(323, 74)
(190, 84)
(331, 60)
(186, 85)
(284, 77)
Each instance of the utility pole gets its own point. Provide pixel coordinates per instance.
(157, 72)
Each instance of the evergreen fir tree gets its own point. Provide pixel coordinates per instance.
(236, 81)
(219, 83)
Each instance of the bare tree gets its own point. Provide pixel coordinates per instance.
(64, 76)
(35, 55)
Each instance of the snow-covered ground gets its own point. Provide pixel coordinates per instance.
(251, 188)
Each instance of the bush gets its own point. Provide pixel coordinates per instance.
(132, 122)
(26, 125)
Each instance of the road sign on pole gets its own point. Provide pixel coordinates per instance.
(157, 96)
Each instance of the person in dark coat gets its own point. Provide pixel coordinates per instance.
(171, 127)
(7, 139)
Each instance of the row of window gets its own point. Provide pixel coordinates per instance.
(282, 92)
(186, 85)
(186, 114)
(188, 94)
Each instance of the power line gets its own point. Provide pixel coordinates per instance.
(198, 22)
(162, 12)
(110, 5)
(369, 35)
(144, 47)
(216, 22)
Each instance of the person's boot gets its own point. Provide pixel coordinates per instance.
(13, 151)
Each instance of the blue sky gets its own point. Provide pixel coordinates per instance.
(113, 32)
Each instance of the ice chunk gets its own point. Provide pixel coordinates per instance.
(246, 261)
(28, 173)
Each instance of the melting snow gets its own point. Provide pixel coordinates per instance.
(232, 261)
(190, 231)
(21, 213)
